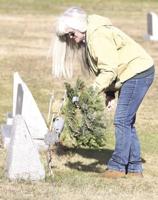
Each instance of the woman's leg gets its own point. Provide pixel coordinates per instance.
(134, 163)
(127, 147)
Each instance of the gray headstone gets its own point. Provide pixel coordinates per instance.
(152, 26)
(6, 130)
(6, 134)
(149, 24)
(23, 160)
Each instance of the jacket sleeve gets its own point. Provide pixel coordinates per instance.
(104, 52)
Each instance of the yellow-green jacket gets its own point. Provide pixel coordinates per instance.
(112, 55)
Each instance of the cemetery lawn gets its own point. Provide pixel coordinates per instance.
(25, 35)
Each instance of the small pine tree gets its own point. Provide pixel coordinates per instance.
(85, 118)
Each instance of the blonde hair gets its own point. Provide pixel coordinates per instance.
(65, 49)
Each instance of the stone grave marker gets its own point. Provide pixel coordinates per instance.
(29, 110)
(152, 26)
(23, 161)
(25, 105)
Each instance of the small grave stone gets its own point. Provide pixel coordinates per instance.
(152, 26)
(23, 160)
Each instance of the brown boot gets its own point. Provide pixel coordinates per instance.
(135, 174)
(113, 174)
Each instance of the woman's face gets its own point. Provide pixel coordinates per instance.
(76, 35)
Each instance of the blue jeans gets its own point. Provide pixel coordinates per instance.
(126, 156)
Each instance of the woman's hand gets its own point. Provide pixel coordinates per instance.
(110, 102)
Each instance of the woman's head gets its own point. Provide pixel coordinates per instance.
(70, 36)
(73, 18)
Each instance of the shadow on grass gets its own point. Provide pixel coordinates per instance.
(98, 165)
(100, 156)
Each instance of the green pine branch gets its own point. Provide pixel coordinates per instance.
(85, 119)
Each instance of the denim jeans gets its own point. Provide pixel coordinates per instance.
(126, 156)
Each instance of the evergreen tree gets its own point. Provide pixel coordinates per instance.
(84, 116)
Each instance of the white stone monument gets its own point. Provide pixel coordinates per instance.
(25, 105)
(152, 26)
(23, 161)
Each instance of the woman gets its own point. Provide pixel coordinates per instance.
(120, 64)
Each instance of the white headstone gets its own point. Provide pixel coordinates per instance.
(25, 105)
(6, 130)
(23, 161)
(6, 134)
(152, 26)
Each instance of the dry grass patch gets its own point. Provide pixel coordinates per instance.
(25, 40)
